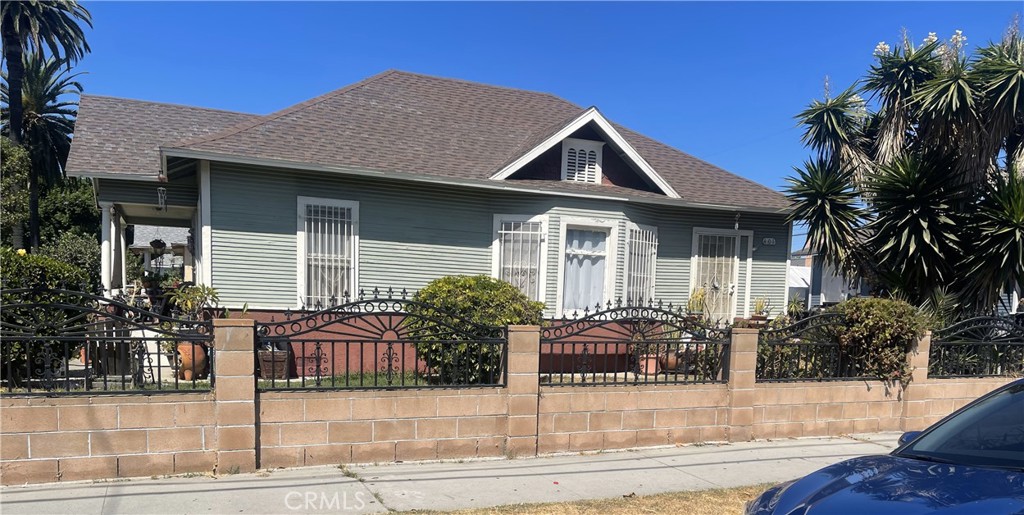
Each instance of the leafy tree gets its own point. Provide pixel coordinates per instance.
(919, 189)
(30, 26)
(79, 250)
(69, 207)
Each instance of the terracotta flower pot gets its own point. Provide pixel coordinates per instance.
(193, 361)
(670, 361)
(649, 364)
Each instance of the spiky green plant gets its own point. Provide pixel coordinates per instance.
(824, 198)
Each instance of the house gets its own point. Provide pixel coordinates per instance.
(818, 284)
(402, 178)
(164, 250)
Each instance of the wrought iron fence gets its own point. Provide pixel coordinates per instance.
(808, 350)
(978, 347)
(61, 342)
(391, 342)
(633, 345)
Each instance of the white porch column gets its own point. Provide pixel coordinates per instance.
(121, 256)
(145, 260)
(205, 245)
(105, 246)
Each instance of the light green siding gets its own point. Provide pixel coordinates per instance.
(412, 233)
(183, 192)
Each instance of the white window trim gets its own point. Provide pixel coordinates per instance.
(608, 225)
(627, 254)
(706, 231)
(589, 146)
(496, 249)
(300, 243)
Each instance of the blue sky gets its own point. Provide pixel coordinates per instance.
(720, 81)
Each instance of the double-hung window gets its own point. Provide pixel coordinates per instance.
(641, 256)
(519, 253)
(327, 235)
(588, 262)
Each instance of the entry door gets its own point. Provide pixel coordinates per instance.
(715, 269)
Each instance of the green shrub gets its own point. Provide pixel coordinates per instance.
(79, 250)
(878, 334)
(463, 308)
(39, 315)
(31, 270)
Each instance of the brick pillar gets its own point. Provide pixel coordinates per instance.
(235, 395)
(742, 371)
(523, 389)
(916, 391)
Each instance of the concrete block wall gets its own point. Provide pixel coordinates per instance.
(324, 428)
(71, 438)
(575, 418)
(237, 429)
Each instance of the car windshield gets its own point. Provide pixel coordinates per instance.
(988, 434)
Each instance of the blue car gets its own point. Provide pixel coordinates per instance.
(971, 462)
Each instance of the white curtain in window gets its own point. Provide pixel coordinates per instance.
(585, 260)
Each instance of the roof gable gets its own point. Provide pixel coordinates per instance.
(589, 117)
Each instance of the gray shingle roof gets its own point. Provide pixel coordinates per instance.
(171, 235)
(404, 122)
(123, 136)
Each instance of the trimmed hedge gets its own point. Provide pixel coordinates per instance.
(466, 304)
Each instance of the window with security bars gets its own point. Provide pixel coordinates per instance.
(581, 160)
(519, 255)
(329, 253)
(641, 255)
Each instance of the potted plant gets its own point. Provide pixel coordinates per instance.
(762, 305)
(697, 302)
(192, 302)
(649, 356)
(273, 362)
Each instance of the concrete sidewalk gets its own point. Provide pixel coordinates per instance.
(453, 485)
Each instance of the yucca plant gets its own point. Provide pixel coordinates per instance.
(919, 192)
(825, 199)
(997, 249)
(915, 228)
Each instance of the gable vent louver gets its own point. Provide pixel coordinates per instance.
(582, 161)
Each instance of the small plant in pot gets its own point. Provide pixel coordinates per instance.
(696, 304)
(649, 356)
(193, 303)
(762, 306)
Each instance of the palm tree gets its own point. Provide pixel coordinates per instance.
(923, 195)
(48, 115)
(32, 26)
